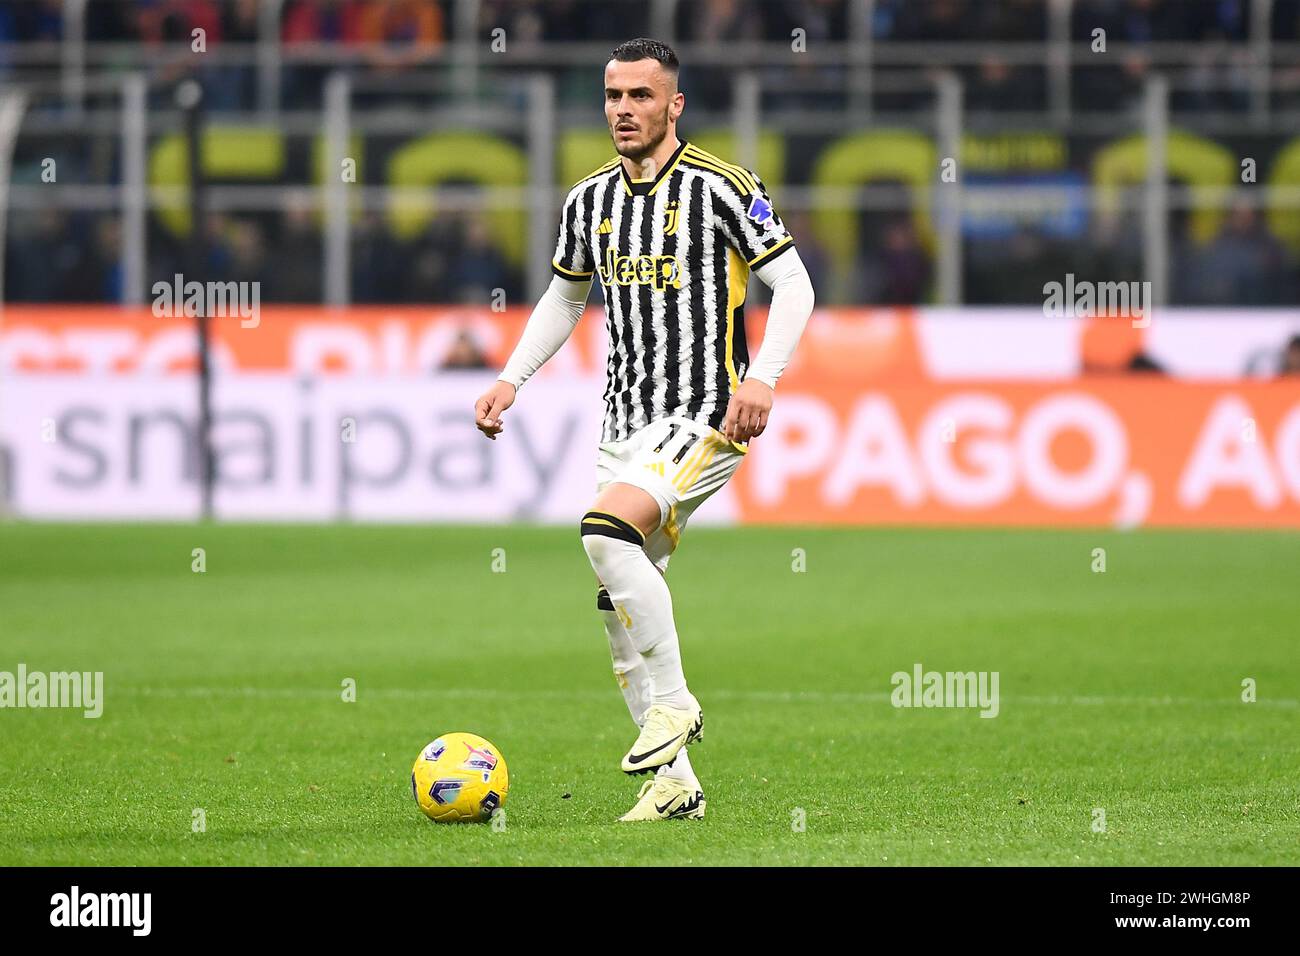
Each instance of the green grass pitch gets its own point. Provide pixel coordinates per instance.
(1119, 691)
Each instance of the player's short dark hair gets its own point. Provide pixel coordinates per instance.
(644, 48)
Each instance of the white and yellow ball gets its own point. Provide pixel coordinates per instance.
(460, 778)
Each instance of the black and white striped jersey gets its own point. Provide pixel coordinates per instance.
(674, 255)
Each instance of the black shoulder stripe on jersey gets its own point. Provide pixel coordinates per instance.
(739, 177)
(692, 160)
(747, 179)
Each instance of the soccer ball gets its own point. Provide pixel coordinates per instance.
(460, 778)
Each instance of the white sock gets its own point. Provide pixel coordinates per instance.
(629, 667)
(642, 600)
(680, 769)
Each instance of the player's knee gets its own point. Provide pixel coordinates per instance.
(597, 549)
(605, 535)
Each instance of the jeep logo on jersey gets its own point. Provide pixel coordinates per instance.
(760, 210)
(656, 271)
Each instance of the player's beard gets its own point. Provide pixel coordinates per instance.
(657, 134)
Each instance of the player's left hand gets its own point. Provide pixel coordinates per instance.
(747, 411)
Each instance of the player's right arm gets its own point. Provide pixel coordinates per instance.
(548, 328)
(552, 321)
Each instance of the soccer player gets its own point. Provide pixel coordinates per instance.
(674, 232)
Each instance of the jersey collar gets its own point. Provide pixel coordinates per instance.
(646, 187)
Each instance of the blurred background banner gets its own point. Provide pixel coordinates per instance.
(1097, 452)
(933, 416)
(868, 343)
(380, 185)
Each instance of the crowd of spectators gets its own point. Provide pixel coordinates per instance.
(55, 256)
(426, 21)
(58, 255)
(389, 36)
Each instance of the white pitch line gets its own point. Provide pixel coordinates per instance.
(764, 696)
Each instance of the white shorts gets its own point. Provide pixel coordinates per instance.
(679, 463)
